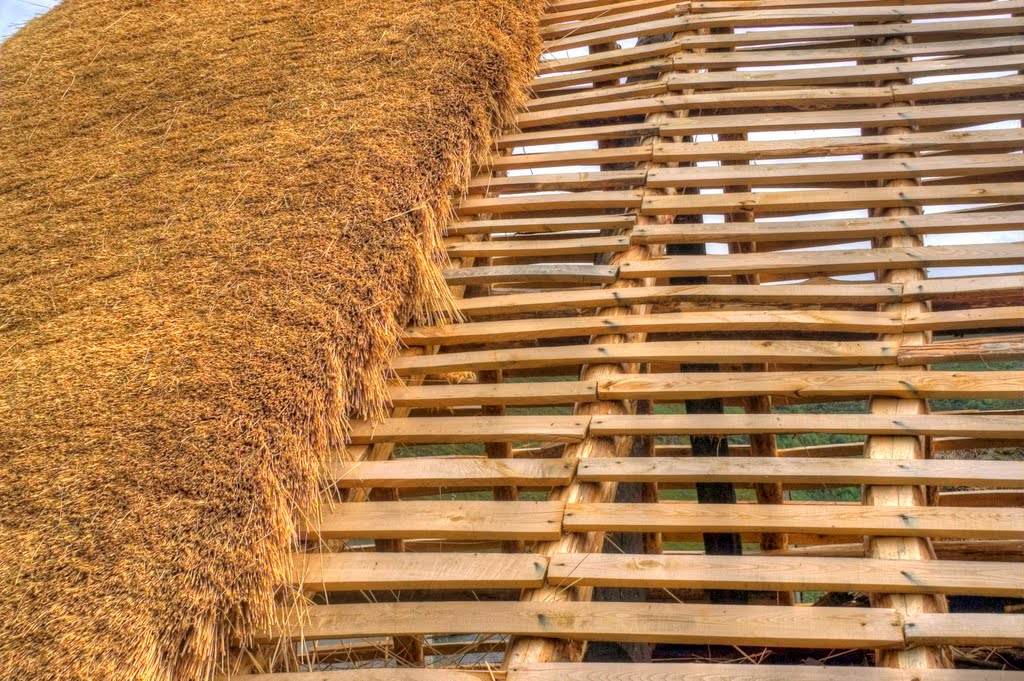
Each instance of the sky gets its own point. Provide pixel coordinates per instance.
(14, 13)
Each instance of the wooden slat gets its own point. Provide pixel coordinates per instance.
(538, 247)
(548, 392)
(523, 520)
(540, 273)
(965, 629)
(353, 571)
(752, 320)
(653, 622)
(825, 519)
(856, 228)
(908, 383)
(832, 199)
(787, 573)
(381, 674)
(740, 672)
(969, 425)
(938, 472)
(679, 352)
(986, 349)
(477, 429)
(454, 472)
(541, 224)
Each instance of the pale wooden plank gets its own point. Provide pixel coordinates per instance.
(680, 352)
(653, 622)
(908, 383)
(508, 394)
(381, 674)
(746, 320)
(538, 247)
(967, 425)
(991, 349)
(454, 471)
(567, 671)
(523, 520)
(354, 571)
(825, 519)
(967, 629)
(937, 472)
(445, 429)
(787, 573)
(542, 273)
(855, 228)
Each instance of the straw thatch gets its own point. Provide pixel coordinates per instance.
(214, 217)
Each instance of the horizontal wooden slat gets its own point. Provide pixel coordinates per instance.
(856, 228)
(662, 671)
(938, 472)
(832, 199)
(907, 384)
(540, 273)
(653, 622)
(478, 429)
(825, 519)
(455, 472)
(541, 224)
(965, 629)
(548, 392)
(538, 247)
(726, 352)
(969, 425)
(787, 573)
(749, 320)
(354, 571)
(991, 349)
(829, 262)
(382, 674)
(526, 520)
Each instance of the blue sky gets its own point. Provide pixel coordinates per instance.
(14, 13)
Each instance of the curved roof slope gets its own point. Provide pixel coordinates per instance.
(217, 216)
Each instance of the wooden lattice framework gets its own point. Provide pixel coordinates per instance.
(471, 525)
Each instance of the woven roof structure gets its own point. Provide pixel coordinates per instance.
(217, 217)
(722, 378)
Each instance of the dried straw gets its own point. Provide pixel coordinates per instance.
(215, 216)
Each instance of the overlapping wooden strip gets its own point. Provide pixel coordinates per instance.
(679, 352)
(946, 425)
(831, 261)
(356, 571)
(542, 273)
(833, 172)
(604, 179)
(787, 573)
(448, 429)
(745, 320)
(520, 520)
(985, 349)
(611, 20)
(855, 228)
(781, 17)
(623, 671)
(966, 629)
(653, 622)
(454, 472)
(938, 472)
(541, 224)
(825, 519)
(832, 199)
(919, 32)
(580, 10)
(1007, 385)
(962, 320)
(861, 73)
(974, 141)
(757, 98)
(538, 247)
(620, 200)
(381, 674)
(508, 394)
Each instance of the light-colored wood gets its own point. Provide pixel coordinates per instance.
(970, 425)
(788, 573)
(352, 571)
(454, 471)
(939, 472)
(654, 622)
(377, 674)
(910, 521)
(549, 392)
(933, 385)
(439, 519)
(965, 629)
(742, 672)
(478, 429)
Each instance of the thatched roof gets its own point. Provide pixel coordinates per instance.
(215, 217)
